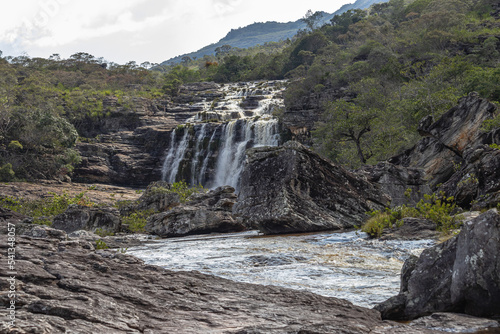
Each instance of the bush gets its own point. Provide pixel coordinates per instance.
(43, 209)
(6, 173)
(136, 221)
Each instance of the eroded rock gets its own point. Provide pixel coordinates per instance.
(78, 217)
(291, 189)
(204, 213)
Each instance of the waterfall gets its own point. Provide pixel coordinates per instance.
(212, 153)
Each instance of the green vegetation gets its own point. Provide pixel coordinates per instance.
(100, 244)
(136, 221)
(372, 74)
(437, 208)
(43, 210)
(181, 188)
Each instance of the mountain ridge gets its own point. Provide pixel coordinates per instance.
(263, 32)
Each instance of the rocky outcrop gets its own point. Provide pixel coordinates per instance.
(78, 217)
(404, 185)
(204, 213)
(476, 185)
(441, 152)
(460, 275)
(291, 189)
(65, 286)
(156, 198)
(412, 229)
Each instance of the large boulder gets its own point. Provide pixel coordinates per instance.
(78, 217)
(291, 189)
(459, 275)
(476, 184)
(204, 213)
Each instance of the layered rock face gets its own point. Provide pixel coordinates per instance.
(204, 213)
(131, 144)
(459, 275)
(66, 286)
(291, 189)
(441, 152)
(77, 218)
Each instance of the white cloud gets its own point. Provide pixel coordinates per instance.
(138, 30)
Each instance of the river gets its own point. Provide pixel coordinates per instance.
(346, 265)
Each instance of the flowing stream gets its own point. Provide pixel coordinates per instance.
(344, 265)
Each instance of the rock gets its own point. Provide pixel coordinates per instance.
(476, 184)
(455, 323)
(442, 149)
(156, 198)
(120, 241)
(88, 218)
(291, 189)
(412, 229)
(66, 286)
(476, 274)
(203, 213)
(395, 181)
(460, 275)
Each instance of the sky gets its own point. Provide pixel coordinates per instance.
(136, 30)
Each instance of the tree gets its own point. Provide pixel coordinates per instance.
(311, 19)
(347, 122)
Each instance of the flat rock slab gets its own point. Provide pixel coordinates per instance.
(67, 286)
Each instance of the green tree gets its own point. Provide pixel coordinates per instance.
(345, 122)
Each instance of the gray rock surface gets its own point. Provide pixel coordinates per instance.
(291, 189)
(88, 218)
(204, 213)
(442, 149)
(460, 275)
(455, 323)
(67, 287)
(412, 229)
(395, 181)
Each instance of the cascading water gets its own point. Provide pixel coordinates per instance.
(210, 148)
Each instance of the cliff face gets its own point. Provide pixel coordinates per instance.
(129, 146)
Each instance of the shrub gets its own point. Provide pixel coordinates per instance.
(99, 244)
(43, 209)
(136, 221)
(6, 173)
(436, 207)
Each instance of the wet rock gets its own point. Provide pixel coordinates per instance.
(455, 323)
(291, 189)
(67, 287)
(460, 275)
(88, 218)
(204, 213)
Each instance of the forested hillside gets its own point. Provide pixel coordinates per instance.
(262, 33)
(387, 67)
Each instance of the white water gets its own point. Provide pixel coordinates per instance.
(244, 126)
(343, 265)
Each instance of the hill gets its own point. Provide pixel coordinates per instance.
(263, 32)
